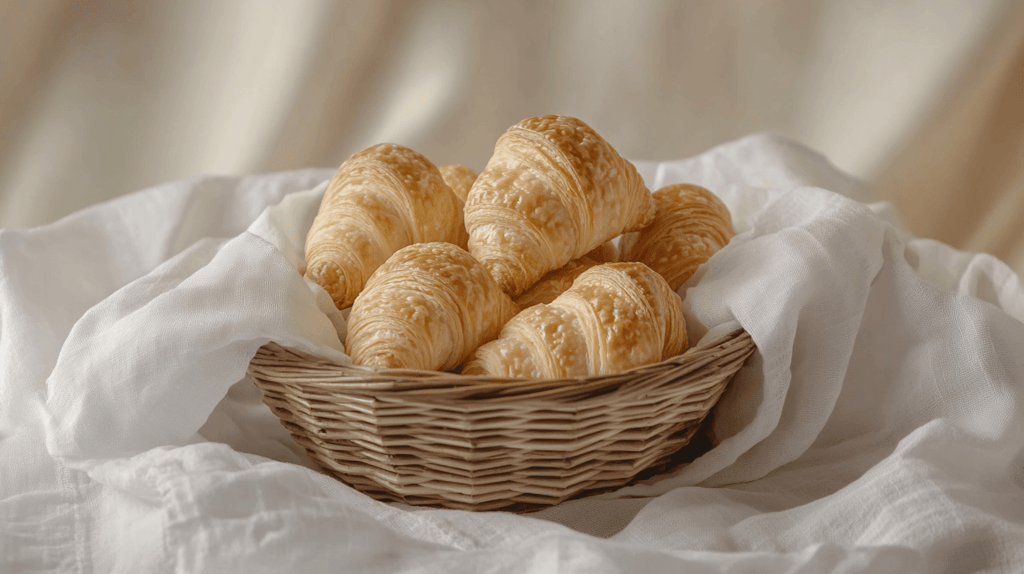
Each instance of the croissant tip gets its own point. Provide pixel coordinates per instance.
(380, 361)
(473, 368)
(332, 278)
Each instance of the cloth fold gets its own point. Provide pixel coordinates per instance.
(879, 426)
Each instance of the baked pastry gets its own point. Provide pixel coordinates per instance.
(380, 200)
(607, 252)
(552, 191)
(555, 283)
(428, 307)
(458, 177)
(616, 316)
(689, 226)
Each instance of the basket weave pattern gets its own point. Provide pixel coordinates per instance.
(484, 443)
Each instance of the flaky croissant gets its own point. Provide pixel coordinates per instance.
(458, 177)
(428, 307)
(380, 200)
(556, 282)
(553, 284)
(616, 316)
(552, 191)
(607, 252)
(690, 225)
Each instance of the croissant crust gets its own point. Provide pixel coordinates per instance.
(458, 177)
(380, 200)
(552, 191)
(428, 307)
(554, 283)
(689, 226)
(615, 317)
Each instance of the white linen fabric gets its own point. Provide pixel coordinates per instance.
(879, 427)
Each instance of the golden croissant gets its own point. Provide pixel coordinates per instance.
(552, 191)
(690, 225)
(458, 177)
(428, 307)
(380, 200)
(555, 283)
(607, 252)
(615, 317)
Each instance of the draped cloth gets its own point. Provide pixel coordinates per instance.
(879, 427)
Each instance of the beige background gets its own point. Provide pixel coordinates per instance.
(922, 98)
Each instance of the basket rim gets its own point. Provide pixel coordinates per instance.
(276, 362)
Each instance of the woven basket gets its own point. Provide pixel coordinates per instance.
(485, 443)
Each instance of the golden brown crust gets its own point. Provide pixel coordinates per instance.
(616, 316)
(553, 191)
(690, 225)
(458, 177)
(380, 200)
(607, 252)
(554, 283)
(428, 307)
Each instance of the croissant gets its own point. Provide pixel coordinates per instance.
(552, 191)
(428, 307)
(555, 283)
(607, 252)
(690, 225)
(616, 316)
(458, 177)
(380, 200)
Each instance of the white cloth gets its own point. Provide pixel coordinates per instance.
(879, 428)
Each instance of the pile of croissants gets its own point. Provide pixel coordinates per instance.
(555, 261)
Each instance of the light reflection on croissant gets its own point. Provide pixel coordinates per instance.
(380, 200)
(458, 177)
(616, 316)
(428, 307)
(689, 226)
(553, 191)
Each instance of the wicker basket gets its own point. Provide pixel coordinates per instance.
(484, 443)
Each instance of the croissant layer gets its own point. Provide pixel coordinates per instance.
(458, 177)
(689, 226)
(552, 191)
(554, 283)
(428, 307)
(615, 317)
(380, 200)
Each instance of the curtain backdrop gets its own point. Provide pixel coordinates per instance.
(922, 98)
